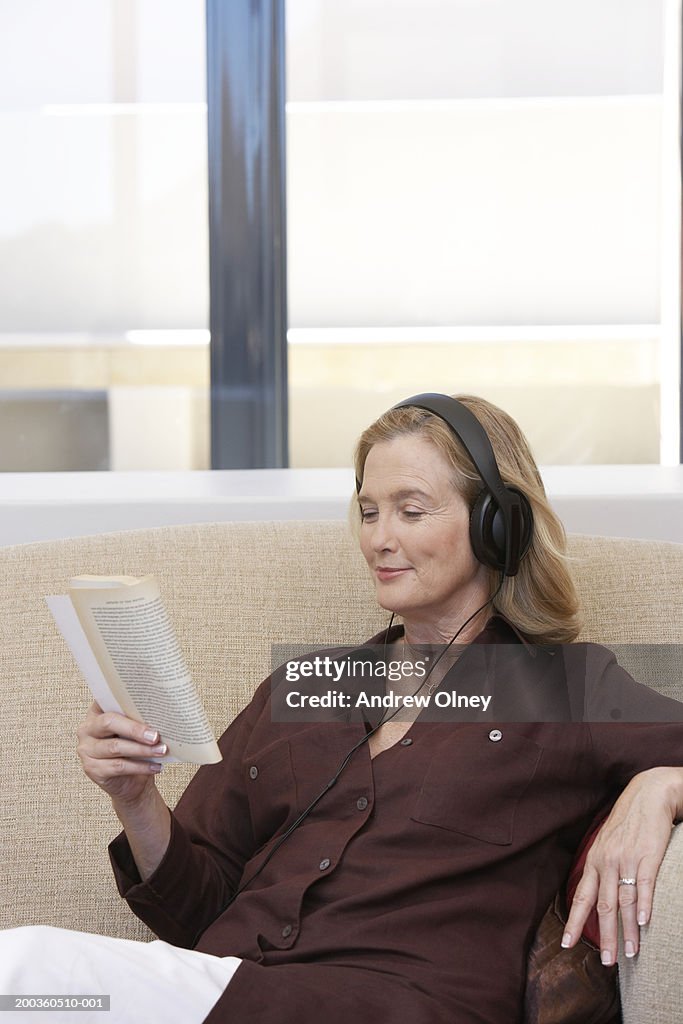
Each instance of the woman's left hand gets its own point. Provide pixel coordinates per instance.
(631, 844)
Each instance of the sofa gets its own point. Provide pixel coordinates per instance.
(231, 590)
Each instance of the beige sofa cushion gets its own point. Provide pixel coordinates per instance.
(232, 589)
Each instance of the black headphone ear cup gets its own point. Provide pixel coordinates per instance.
(481, 531)
(487, 529)
(527, 521)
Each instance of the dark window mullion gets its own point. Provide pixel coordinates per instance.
(247, 236)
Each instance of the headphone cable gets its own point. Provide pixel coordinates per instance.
(364, 739)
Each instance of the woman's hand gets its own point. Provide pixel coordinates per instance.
(630, 844)
(111, 748)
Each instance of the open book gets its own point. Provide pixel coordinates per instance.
(124, 644)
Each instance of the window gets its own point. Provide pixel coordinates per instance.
(485, 197)
(104, 338)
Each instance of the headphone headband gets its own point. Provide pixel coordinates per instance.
(472, 435)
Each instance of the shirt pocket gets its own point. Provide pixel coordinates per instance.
(271, 791)
(475, 781)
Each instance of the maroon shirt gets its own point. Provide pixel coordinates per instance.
(413, 889)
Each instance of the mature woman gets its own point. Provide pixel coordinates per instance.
(391, 866)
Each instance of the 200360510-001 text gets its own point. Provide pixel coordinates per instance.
(40, 1001)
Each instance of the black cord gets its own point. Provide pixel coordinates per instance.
(364, 739)
(446, 648)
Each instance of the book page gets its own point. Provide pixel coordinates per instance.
(135, 645)
(68, 623)
(106, 582)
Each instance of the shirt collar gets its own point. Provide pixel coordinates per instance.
(498, 630)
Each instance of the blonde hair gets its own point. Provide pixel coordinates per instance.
(541, 600)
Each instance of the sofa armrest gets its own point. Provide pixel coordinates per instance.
(651, 984)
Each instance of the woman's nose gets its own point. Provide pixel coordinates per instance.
(383, 535)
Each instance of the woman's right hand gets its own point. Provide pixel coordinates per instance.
(112, 747)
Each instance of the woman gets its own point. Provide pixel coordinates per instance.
(395, 867)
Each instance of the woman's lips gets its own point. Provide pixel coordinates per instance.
(389, 574)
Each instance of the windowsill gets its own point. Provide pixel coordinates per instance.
(626, 501)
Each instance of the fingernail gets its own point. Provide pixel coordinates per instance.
(156, 768)
(606, 958)
(629, 948)
(151, 736)
(160, 749)
(642, 917)
(566, 940)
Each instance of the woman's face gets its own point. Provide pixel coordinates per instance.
(415, 535)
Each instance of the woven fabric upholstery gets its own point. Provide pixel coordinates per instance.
(651, 987)
(230, 589)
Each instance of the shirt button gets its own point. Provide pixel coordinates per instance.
(324, 864)
(253, 771)
(286, 931)
(406, 742)
(495, 735)
(361, 803)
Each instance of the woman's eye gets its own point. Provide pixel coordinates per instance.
(367, 514)
(410, 513)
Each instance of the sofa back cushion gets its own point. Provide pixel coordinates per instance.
(232, 590)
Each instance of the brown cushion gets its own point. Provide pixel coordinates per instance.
(568, 986)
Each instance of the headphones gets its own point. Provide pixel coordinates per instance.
(501, 520)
